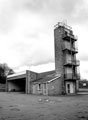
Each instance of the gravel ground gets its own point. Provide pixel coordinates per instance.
(17, 106)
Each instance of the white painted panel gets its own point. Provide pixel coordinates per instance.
(68, 57)
(68, 70)
(67, 44)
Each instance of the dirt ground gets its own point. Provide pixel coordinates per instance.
(16, 106)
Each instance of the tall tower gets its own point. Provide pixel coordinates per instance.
(65, 58)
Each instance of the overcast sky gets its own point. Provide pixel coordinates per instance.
(26, 32)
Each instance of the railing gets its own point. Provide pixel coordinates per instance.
(62, 24)
(68, 47)
(72, 76)
(75, 37)
(72, 62)
(69, 35)
(77, 62)
(74, 49)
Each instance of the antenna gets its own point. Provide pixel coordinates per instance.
(64, 22)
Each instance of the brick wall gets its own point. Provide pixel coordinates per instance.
(33, 75)
(55, 87)
(59, 59)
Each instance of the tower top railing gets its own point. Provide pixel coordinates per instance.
(62, 24)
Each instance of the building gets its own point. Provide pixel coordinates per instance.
(65, 58)
(33, 83)
(63, 80)
(83, 86)
(20, 82)
(47, 85)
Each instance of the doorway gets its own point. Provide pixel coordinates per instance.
(17, 85)
(70, 88)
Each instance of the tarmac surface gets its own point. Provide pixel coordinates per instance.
(17, 106)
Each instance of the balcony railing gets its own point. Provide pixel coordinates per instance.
(73, 49)
(72, 62)
(71, 76)
(62, 24)
(69, 36)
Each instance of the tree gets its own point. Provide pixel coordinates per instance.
(11, 72)
(4, 71)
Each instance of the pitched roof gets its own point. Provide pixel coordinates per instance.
(48, 78)
(43, 74)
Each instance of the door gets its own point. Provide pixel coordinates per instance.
(69, 87)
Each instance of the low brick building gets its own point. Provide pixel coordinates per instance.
(33, 83)
(46, 86)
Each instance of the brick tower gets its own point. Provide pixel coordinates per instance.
(65, 58)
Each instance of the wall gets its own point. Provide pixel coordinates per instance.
(59, 59)
(30, 76)
(68, 70)
(33, 76)
(36, 90)
(67, 44)
(54, 87)
(68, 57)
(2, 87)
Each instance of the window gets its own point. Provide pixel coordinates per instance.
(39, 86)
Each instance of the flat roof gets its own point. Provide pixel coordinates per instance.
(16, 74)
(19, 75)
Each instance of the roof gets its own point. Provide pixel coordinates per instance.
(43, 74)
(17, 76)
(48, 78)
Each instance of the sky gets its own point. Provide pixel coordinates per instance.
(27, 32)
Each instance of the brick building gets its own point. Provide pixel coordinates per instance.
(65, 58)
(63, 80)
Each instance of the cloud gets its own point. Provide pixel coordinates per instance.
(44, 67)
(84, 69)
(26, 30)
(52, 9)
(84, 57)
(27, 41)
